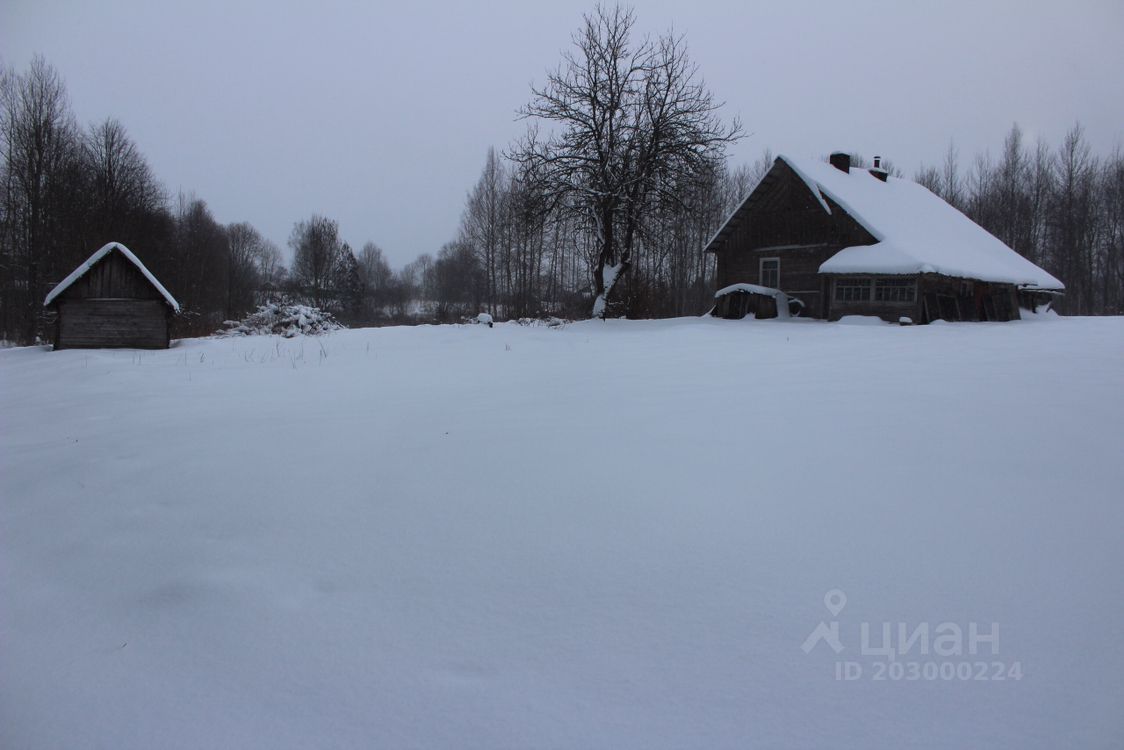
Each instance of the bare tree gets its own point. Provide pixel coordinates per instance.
(122, 186)
(482, 224)
(245, 247)
(1112, 265)
(316, 253)
(39, 146)
(952, 186)
(632, 123)
(459, 281)
(1074, 221)
(197, 270)
(374, 267)
(271, 269)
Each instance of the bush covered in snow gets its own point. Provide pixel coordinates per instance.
(549, 321)
(284, 320)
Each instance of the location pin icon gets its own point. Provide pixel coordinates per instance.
(835, 600)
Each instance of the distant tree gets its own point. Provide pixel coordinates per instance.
(374, 266)
(244, 260)
(1074, 221)
(746, 178)
(482, 225)
(459, 281)
(418, 276)
(349, 286)
(316, 249)
(198, 267)
(271, 270)
(123, 190)
(952, 186)
(1112, 257)
(377, 279)
(928, 177)
(397, 295)
(40, 147)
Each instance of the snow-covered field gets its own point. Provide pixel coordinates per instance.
(607, 535)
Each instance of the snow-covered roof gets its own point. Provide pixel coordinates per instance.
(917, 231)
(768, 291)
(92, 261)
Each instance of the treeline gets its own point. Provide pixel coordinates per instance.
(611, 212)
(69, 189)
(518, 254)
(1061, 207)
(607, 215)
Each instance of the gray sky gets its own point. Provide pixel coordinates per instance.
(379, 115)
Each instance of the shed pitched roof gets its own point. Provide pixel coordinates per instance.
(916, 230)
(95, 258)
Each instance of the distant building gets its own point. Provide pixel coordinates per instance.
(111, 300)
(849, 241)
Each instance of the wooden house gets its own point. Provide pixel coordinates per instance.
(111, 300)
(851, 241)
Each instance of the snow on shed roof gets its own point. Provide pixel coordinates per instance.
(93, 259)
(917, 231)
(749, 289)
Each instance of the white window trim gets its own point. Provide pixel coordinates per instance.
(872, 284)
(868, 282)
(912, 285)
(761, 272)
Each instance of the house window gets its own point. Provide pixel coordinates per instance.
(852, 290)
(770, 275)
(895, 290)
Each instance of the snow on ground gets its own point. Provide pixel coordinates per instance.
(612, 534)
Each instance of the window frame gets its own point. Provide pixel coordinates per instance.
(761, 272)
(852, 282)
(898, 285)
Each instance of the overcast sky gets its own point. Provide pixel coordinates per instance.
(379, 115)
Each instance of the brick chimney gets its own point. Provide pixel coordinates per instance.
(841, 161)
(878, 171)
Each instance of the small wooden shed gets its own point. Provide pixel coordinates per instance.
(112, 300)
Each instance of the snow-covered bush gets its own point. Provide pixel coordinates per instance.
(549, 321)
(283, 320)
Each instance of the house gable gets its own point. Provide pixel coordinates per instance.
(786, 229)
(111, 272)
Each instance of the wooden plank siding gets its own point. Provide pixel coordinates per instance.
(112, 305)
(97, 323)
(112, 277)
(786, 222)
(799, 271)
(952, 298)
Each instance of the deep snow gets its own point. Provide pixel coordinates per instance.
(612, 534)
